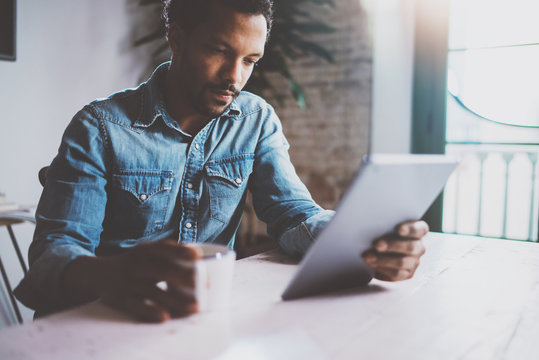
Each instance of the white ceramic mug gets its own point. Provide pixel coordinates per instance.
(213, 276)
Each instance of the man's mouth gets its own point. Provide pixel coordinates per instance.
(224, 95)
(224, 92)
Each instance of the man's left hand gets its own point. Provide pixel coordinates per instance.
(395, 257)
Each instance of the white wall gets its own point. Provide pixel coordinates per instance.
(393, 55)
(69, 52)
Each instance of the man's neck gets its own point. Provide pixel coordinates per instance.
(189, 120)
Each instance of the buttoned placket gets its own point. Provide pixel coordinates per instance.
(190, 194)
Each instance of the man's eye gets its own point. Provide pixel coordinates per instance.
(219, 50)
(251, 62)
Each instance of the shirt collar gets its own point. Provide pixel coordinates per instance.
(153, 102)
(233, 110)
(153, 99)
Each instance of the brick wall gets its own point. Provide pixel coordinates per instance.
(328, 139)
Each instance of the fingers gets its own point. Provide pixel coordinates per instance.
(393, 275)
(413, 229)
(168, 249)
(399, 246)
(396, 256)
(176, 304)
(169, 272)
(149, 303)
(141, 309)
(392, 267)
(164, 260)
(134, 275)
(392, 261)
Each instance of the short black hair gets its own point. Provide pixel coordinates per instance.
(190, 13)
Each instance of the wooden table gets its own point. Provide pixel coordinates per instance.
(472, 298)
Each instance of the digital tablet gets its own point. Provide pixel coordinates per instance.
(388, 190)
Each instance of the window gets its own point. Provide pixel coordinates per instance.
(492, 121)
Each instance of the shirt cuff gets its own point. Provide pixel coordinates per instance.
(297, 240)
(41, 288)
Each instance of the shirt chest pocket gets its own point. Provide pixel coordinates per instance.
(226, 181)
(139, 201)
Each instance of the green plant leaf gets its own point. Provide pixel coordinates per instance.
(313, 28)
(297, 92)
(310, 47)
(322, 2)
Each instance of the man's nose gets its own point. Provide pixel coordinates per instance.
(232, 72)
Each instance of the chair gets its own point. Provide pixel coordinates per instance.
(42, 175)
(7, 220)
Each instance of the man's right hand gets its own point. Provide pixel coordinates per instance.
(129, 281)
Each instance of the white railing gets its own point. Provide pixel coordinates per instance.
(494, 192)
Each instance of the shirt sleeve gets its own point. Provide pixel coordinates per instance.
(279, 196)
(70, 213)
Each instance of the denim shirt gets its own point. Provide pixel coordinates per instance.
(126, 173)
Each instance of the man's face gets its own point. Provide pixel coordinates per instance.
(216, 59)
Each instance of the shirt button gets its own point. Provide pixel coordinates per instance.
(143, 197)
(197, 146)
(190, 186)
(238, 181)
(188, 225)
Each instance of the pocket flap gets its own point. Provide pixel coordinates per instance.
(235, 170)
(143, 184)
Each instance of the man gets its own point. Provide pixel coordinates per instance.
(148, 169)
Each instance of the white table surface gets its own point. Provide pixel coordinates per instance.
(471, 298)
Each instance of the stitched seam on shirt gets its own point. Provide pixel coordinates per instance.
(228, 179)
(285, 144)
(168, 178)
(231, 158)
(137, 194)
(306, 229)
(126, 126)
(104, 136)
(154, 172)
(141, 104)
(244, 115)
(137, 129)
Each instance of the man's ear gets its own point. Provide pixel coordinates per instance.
(176, 38)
